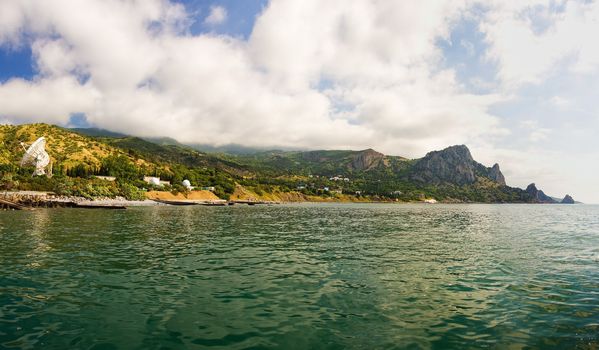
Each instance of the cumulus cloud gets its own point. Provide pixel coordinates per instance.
(312, 74)
(48, 100)
(218, 15)
(533, 39)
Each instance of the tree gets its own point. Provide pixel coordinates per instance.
(120, 167)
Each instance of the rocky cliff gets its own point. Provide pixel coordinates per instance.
(537, 195)
(496, 175)
(453, 165)
(366, 159)
(568, 200)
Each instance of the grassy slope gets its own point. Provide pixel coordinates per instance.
(63, 146)
(274, 168)
(71, 148)
(178, 154)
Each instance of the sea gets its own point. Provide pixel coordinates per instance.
(301, 276)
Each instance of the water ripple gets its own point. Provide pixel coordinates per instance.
(301, 276)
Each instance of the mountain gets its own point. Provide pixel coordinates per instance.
(450, 175)
(538, 195)
(65, 147)
(453, 165)
(96, 132)
(568, 200)
(177, 154)
(231, 149)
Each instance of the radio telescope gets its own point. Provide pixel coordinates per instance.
(37, 156)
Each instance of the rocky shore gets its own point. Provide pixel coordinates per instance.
(37, 199)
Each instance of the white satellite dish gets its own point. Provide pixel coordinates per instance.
(37, 156)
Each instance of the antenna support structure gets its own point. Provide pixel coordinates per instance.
(37, 156)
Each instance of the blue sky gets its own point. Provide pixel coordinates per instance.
(16, 63)
(516, 82)
(241, 16)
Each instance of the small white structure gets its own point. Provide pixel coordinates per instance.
(152, 180)
(208, 188)
(339, 178)
(106, 178)
(430, 201)
(37, 156)
(187, 185)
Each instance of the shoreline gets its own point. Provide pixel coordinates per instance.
(38, 199)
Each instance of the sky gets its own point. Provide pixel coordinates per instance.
(516, 81)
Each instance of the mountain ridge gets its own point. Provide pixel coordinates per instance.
(450, 174)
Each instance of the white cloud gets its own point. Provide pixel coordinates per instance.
(312, 74)
(559, 101)
(218, 15)
(535, 132)
(133, 67)
(48, 100)
(539, 134)
(527, 54)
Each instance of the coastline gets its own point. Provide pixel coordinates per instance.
(39, 199)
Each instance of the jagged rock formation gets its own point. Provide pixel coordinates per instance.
(453, 165)
(537, 195)
(496, 175)
(333, 162)
(568, 200)
(366, 159)
(450, 175)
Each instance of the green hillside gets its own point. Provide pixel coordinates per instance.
(78, 155)
(449, 175)
(77, 158)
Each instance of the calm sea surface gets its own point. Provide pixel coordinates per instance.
(301, 277)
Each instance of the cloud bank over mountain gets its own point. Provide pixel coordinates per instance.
(311, 74)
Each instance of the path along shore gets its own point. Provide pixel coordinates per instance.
(34, 199)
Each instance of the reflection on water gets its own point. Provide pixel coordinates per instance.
(303, 276)
(37, 237)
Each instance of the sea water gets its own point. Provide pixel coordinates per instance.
(305, 276)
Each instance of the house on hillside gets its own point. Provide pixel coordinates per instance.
(156, 181)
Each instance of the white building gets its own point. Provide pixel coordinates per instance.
(156, 181)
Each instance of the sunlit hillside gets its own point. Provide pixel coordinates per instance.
(66, 148)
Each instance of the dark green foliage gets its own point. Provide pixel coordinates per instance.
(130, 191)
(121, 168)
(370, 175)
